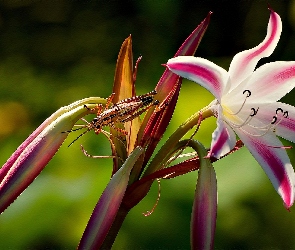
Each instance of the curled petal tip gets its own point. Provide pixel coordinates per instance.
(208, 16)
(289, 203)
(287, 207)
(164, 65)
(209, 155)
(270, 8)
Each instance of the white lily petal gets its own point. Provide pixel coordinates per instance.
(223, 139)
(271, 82)
(206, 73)
(270, 154)
(244, 63)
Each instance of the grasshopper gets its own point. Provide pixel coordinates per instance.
(120, 112)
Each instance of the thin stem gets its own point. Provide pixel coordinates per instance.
(162, 155)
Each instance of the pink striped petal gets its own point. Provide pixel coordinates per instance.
(201, 71)
(271, 82)
(285, 127)
(223, 139)
(244, 63)
(274, 161)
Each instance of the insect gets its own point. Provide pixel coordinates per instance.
(120, 112)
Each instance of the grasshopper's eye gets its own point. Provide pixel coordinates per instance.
(107, 118)
(147, 100)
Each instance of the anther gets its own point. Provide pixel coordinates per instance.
(248, 92)
(274, 120)
(279, 109)
(286, 114)
(254, 111)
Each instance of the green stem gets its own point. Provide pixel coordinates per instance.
(162, 156)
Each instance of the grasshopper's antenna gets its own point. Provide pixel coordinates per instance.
(78, 136)
(81, 127)
(72, 130)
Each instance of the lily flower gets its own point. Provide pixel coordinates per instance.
(247, 105)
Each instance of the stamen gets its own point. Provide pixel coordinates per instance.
(247, 121)
(262, 130)
(272, 125)
(265, 128)
(248, 95)
(275, 118)
(258, 135)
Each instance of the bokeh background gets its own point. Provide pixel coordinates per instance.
(54, 52)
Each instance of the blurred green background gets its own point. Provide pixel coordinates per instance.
(55, 52)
